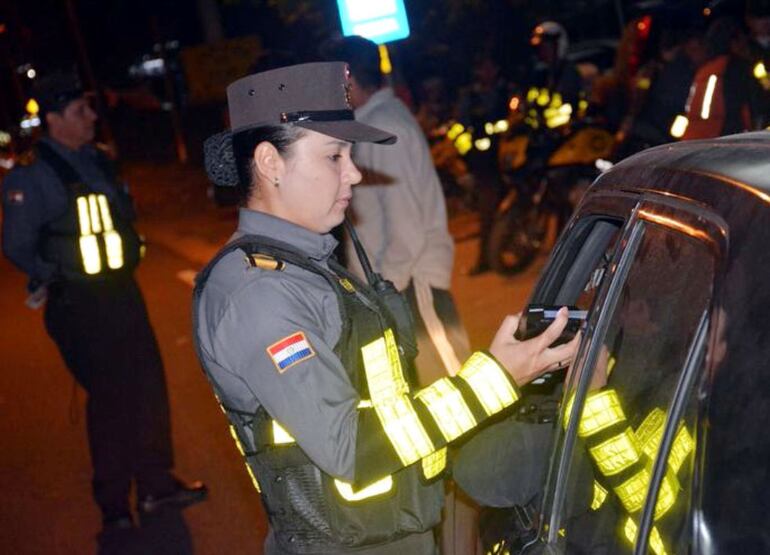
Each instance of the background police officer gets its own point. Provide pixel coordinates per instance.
(66, 224)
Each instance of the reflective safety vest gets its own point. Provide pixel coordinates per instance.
(402, 434)
(709, 112)
(624, 458)
(90, 240)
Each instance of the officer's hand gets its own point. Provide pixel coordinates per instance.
(526, 360)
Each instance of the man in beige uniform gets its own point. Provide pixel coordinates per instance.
(399, 213)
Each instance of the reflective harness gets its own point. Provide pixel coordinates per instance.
(89, 240)
(308, 509)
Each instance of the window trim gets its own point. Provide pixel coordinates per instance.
(684, 388)
(627, 255)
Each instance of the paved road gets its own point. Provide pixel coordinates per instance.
(44, 469)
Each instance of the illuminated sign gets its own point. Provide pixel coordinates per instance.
(378, 20)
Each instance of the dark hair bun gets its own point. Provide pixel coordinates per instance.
(220, 159)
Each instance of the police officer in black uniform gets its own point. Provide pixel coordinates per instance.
(67, 225)
(312, 366)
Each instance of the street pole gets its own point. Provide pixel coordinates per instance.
(85, 63)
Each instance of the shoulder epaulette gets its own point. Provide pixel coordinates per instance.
(265, 262)
(105, 149)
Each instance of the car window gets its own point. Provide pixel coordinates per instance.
(575, 280)
(653, 319)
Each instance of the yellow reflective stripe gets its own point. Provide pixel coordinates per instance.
(667, 493)
(404, 429)
(253, 478)
(532, 94)
(679, 127)
(501, 126)
(280, 435)
(680, 449)
(602, 409)
(711, 86)
(448, 408)
(89, 252)
(96, 222)
(656, 542)
(114, 247)
(237, 441)
(633, 491)
(489, 383)
(650, 432)
(489, 128)
(617, 453)
(388, 390)
(760, 71)
(84, 220)
(382, 365)
(600, 495)
(104, 209)
(434, 464)
(364, 404)
(377, 488)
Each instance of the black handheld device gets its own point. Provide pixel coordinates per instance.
(538, 317)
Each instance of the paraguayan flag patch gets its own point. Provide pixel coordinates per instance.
(290, 350)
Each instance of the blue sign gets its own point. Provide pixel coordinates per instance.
(380, 21)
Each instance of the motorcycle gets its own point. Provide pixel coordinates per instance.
(547, 159)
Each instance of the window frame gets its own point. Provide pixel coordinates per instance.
(705, 224)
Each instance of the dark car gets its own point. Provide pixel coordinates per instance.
(661, 443)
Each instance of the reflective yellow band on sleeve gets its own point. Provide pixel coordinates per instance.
(489, 383)
(448, 408)
(617, 453)
(600, 496)
(650, 432)
(633, 491)
(280, 435)
(377, 488)
(434, 464)
(602, 409)
(404, 430)
(389, 395)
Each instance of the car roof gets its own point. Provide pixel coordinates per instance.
(742, 160)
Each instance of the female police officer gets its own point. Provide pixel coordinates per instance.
(309, 364)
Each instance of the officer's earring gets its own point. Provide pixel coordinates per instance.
(276, 182)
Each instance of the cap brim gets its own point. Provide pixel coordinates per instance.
(353, 131)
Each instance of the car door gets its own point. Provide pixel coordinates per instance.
(622, 465)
